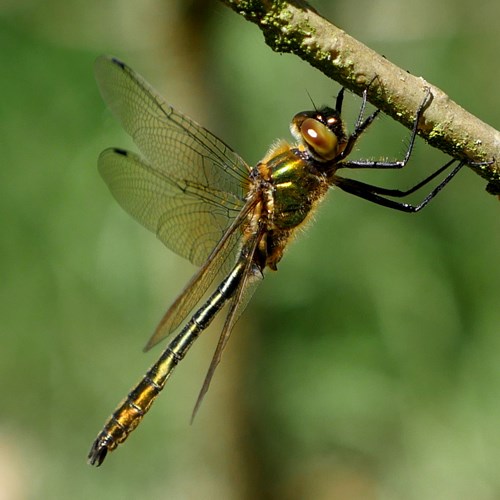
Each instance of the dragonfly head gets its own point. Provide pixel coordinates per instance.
(321, 132)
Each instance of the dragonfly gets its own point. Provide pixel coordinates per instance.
(233, 221)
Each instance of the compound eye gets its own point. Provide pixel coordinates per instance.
(319, 138)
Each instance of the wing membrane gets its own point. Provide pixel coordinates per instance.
(183, 223)
(189, 186)
(221, 258)
(237, 305)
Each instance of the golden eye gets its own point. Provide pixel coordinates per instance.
(320, 139)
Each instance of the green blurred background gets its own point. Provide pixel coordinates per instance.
(367, 368)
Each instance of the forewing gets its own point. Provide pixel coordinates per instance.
(183, 223)
(190, 185)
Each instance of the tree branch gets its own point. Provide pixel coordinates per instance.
(294, 26)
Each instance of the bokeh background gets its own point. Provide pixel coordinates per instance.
(366, 368)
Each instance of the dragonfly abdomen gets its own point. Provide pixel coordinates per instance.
(131, 411)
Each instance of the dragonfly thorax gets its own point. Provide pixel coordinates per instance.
(290, 186)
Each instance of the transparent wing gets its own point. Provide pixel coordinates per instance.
(221, 258)
(252, 277)
(189, 187)
(187, 225)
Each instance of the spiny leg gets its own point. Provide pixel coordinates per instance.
(392, 164)
(376, 194)
(396, 193)
(359, 128)
(361, 113)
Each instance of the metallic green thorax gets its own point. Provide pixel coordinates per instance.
(297, 185)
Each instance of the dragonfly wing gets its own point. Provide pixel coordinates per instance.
(191, 184)
(158, 203)
(252, 277)
(222, 257)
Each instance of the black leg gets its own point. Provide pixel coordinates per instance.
(384, 164)
(359, 128)
(376, 194)
(339, 101)
(398, 193)
(361, 113)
